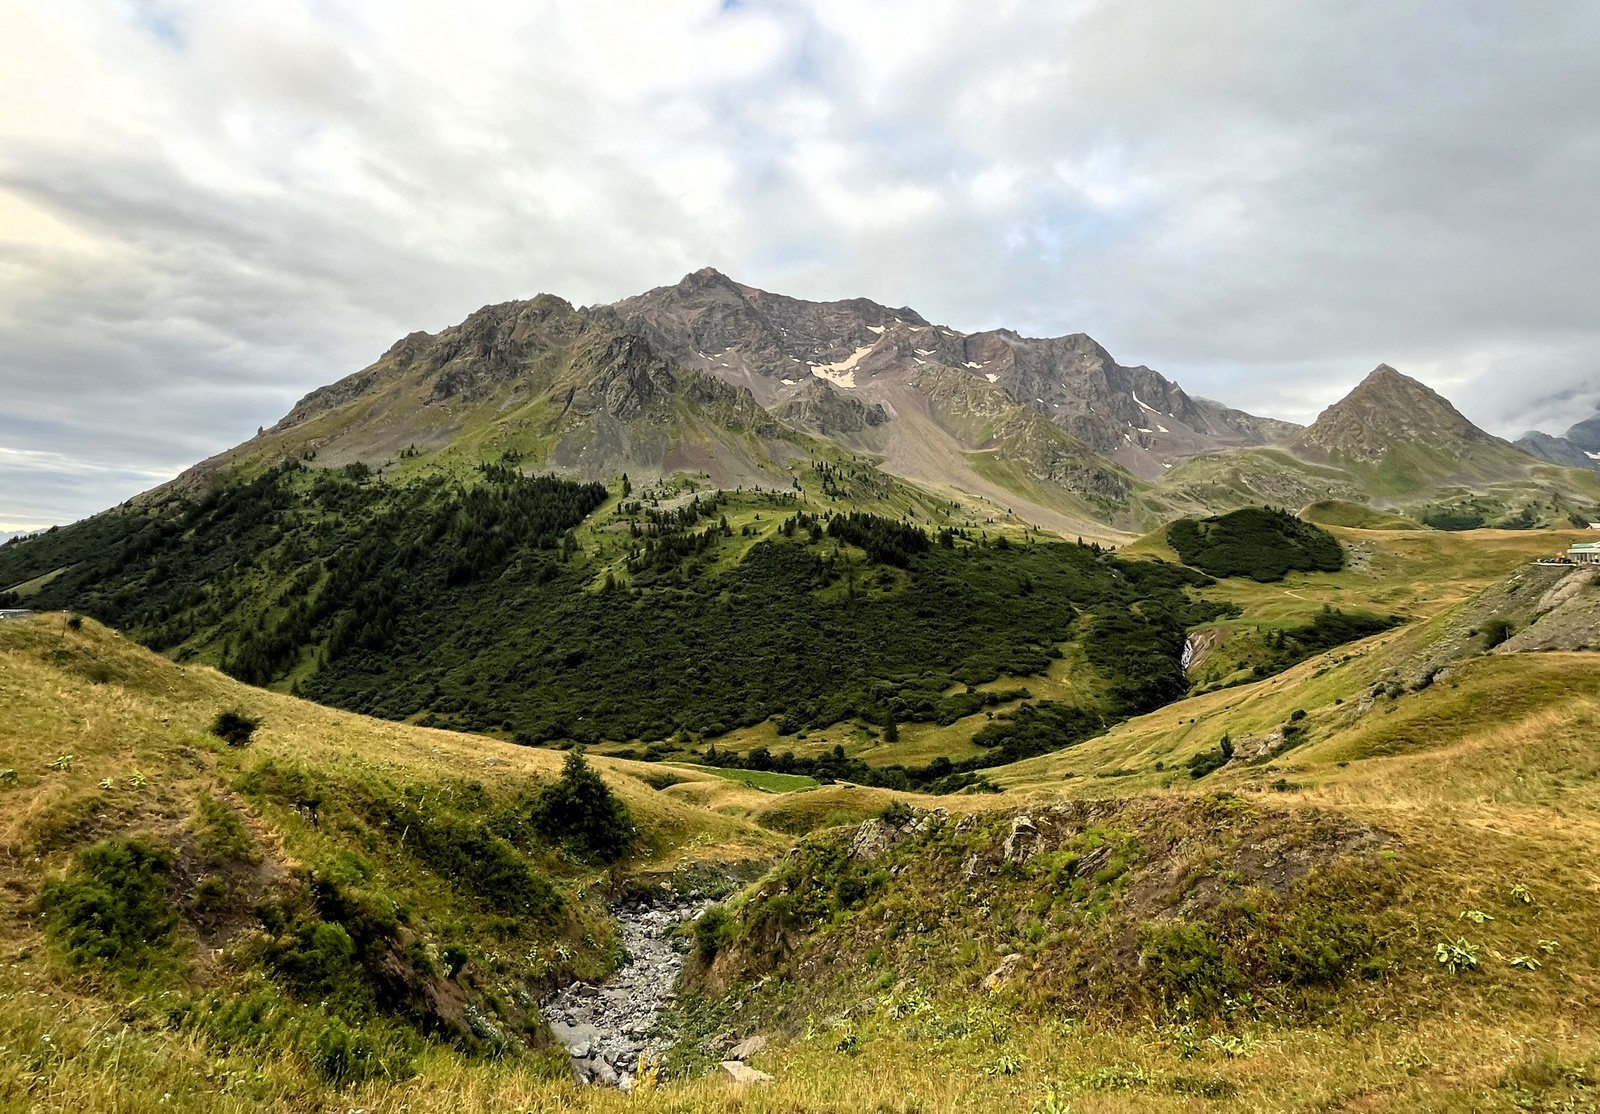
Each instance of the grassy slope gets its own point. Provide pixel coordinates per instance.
(1486, 780)
(1486, 783)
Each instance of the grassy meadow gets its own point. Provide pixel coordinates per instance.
(1385, 901)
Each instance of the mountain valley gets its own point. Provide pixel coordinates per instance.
(1020, 733)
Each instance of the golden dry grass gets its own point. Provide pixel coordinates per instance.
(1486, 783)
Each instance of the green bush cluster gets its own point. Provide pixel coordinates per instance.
(463, 602)
(1318, 935)
(338, 1051)
(1041, 728)
(111, 909)
(1209, 761)
(714, 930)
(1263, 543)
(234, 727)
(1453, 519)
(1330, 627)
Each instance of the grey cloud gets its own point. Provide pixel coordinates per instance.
(1262, 200)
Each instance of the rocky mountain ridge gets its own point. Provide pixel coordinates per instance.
(1579, 447)
(776, 345)
(1387, 408)
(737, 386)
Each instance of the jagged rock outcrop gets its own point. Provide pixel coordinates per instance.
(822, 409)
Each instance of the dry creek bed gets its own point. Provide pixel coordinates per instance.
(605, 1029)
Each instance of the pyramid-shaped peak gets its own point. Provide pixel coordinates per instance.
(1386, 409)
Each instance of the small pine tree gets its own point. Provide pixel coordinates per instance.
(580, 811)
(891, 729)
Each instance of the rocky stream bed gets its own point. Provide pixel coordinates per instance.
(606, 1028)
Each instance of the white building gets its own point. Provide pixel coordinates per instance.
(1584, 553)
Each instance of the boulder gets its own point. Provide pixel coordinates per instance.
(747, 1048)
(873, 840)
(743, 1073)
(576, 1039)
(1023, 841)
(1008, 964)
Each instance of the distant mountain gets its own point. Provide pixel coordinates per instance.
(1403, 437)
(776, 346)
(1579, 447)
(732, 383)
(737, 387)
(562, 388)
(1557, 450)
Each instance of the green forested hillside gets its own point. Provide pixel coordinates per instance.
(1259, 542)
(473, 605)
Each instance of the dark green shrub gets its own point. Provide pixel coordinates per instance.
(319, 961)
(580, 812)
(345, 1055)
(454, 957)
(1262, 543)
(469, 855)
(232, 1021)
(1209, 761)
(338, 886)
(1453, 520)
(1496, 631)
(1320, 947)
(1189, 962)
(287, 783)
(1035, 729)
(111, 908)
(896, 814)
(713, 931)
(234, 727)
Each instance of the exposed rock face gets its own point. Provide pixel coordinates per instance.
(1585, 435)
(996, 978)
(822, 409)
(708, 320)
(1023, 841)
(468, 361)
(873, 840)
(1557, 450)
(750, 1046)
(1018, 435)
(776, 345)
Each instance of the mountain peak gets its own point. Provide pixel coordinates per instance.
(1384, 412)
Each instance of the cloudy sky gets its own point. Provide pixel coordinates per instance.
(208, 207)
